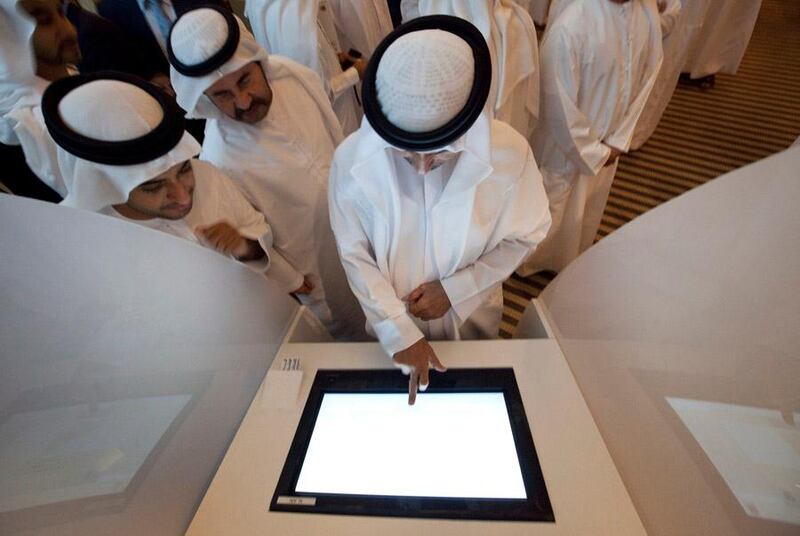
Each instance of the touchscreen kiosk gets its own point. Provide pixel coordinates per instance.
(463, 451)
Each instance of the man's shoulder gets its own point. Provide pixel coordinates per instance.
(294, 77)
(214, 187)
(510, 149)
(347, 148)
(343, 158)
(210, 175)
(287, 69)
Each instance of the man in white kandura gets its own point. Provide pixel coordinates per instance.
(719, 44)
(306, 31)
(433, 204)
(676, 32)
(270, 127)
(511, 36)
(600, 59)
(124, 153)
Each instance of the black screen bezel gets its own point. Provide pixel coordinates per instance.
(536, 507)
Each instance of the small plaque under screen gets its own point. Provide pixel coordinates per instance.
(464, 450)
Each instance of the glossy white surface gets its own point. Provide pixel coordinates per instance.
(695, 306)
(584, 488)
(127, 360)
(360, 440)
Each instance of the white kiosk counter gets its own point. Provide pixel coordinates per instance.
(661, 382)
(586, 493)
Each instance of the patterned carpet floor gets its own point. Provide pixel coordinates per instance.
(702, 135)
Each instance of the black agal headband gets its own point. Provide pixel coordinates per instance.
(456, 127)
(219, 58)
(147, 148)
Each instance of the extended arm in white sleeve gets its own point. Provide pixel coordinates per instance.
(527, 215)
(385, 311)
(343, 81)
(252, 225)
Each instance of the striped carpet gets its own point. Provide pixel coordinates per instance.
(703, 134)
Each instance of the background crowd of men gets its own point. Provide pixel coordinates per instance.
(390, 176)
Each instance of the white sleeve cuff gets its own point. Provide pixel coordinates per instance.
(398, 333)
(279, 270)
(460, 287)
(344, 81)
(595, 159)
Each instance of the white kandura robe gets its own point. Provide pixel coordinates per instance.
(537, 8)
(282, 164)
(305, 31)
(555, 9)
(675, 32)
(216, 198)
(594, 89)
(514, 47)
(362, 24)
(719, 45)
(468, 224)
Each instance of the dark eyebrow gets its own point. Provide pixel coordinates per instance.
(186, 165)
(245, 75)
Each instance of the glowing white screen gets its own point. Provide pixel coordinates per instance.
(447, 445)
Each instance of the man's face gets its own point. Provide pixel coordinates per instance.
(243, 95)
(55, 39)
(426, 162)
(167, 196)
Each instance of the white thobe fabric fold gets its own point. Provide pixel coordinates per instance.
(362, 23)
(720, 43)
(675, 30)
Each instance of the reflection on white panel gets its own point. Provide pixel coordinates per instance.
(108, 328)
(461, 444)
(755, 451)
(76, 452)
